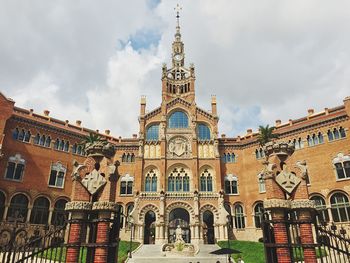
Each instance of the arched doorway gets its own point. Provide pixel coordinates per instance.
(179, 217)
(150, 230)
(208, 227)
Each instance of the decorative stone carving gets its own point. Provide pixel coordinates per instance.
(276, 203)
(93, 182)
(179, 147)
(78, 205)
(281, 149)
(302, 203)
(287, 181)
(105, 206)
(303, 168)
(100, 148)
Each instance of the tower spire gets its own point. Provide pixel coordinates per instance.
(178, 8)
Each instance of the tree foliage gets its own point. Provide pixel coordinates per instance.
(266, 134)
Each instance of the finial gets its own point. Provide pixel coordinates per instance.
(177, 9)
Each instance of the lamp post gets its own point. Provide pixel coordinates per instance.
(131, 225)
(228, 221)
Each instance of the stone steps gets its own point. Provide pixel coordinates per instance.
(153, 254)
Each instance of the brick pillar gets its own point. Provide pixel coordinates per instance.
(77, 228)
(104, 209)
(281, 236)
(306, 237)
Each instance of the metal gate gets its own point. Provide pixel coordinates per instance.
(49, 243)
(331, 244)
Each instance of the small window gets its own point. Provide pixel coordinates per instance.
(178, 180)
(57, 175)
(231, 184)
(15, 168)
(15, 134)
(261, 183)
(126, 185)
(152, 133)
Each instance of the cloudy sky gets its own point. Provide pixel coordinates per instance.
(92, 60)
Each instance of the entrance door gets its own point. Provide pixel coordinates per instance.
(150, 230)
(208, 228)
(179, 217)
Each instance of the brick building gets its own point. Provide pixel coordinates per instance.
(177, 170)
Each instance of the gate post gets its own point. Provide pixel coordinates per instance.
(79, 208)
(303, 207)
(286, 191)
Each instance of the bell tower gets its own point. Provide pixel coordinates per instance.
(178, 81)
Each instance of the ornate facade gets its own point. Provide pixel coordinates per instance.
(177, 170)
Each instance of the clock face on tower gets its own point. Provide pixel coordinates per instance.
(178, 57)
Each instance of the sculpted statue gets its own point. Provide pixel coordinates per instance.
(178, 233)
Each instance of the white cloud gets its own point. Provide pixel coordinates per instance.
(264, 60)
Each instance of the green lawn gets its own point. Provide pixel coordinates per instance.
(253, 252)
(60, 254)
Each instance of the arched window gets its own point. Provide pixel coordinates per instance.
(261, 183)
(36, 139)
(178, 180)
(321, 208)
(178, 119)
(27, 136)
(203, 132)
(342, 166)
(239, 217)
(206, 181)
(151, 181)
(57, 144)
(336, 134)
(259, 153)
(15, 168)
(152, 133)
(126, 184)
(340, 207)
(42, 140)
(61, 145)
(40, 211)
(231, 184)
(66, 146)
(2, 204)
(19, 203)
(21, 135)
(59, 214)
(57, 174)
(48, 141)
(15, 134)
(74, 148)
(258, 214)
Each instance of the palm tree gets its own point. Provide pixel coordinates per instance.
(266, 134)
(90, 139)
